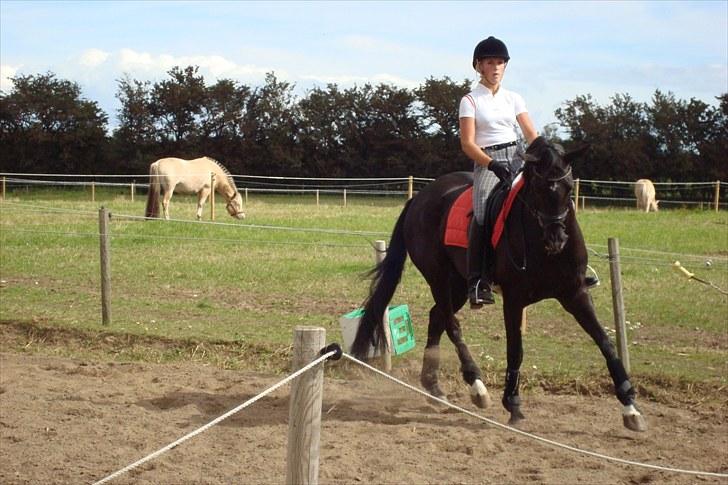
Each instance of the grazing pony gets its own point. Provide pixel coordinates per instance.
(644, 192)
(191, 177)
(541, 254)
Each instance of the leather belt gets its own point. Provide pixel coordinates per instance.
(501, 146)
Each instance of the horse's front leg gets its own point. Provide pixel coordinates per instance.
(513, 314)
(201, 198)
(582, 308)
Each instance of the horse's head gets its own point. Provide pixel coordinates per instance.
(235, 206)
(548, 172)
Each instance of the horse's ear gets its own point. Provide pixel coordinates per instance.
(576, 153)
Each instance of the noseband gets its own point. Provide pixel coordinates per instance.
(231, 210)
(548, 219)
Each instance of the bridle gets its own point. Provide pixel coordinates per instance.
(232, 210)
(549, 219)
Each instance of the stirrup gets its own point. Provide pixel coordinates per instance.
(480, 295)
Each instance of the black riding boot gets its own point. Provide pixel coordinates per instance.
(479, 292)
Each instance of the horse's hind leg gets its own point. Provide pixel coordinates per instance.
(583, 310)
(470, 370)
(431, 358)
(442, 319)
(513, 314)
(165, 202)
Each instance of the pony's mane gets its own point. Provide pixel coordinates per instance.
(227, 173)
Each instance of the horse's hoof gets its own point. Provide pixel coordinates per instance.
(483, 401)
(635, 422)
(479, 395)
(436, 393)
(516, 417)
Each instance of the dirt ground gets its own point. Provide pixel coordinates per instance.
(77, 421)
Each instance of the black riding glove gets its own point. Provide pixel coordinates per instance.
(501, 170)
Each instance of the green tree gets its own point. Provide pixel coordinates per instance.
(438, 101)
(270, 129)
(176, 104)
(47, 126)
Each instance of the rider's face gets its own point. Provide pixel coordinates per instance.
(492, 69)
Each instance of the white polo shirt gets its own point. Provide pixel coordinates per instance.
(495, 116)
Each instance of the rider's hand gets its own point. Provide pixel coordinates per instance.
(501, 170)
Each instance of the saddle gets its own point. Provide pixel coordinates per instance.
(497, 208)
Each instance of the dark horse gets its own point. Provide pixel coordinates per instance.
(541, 254)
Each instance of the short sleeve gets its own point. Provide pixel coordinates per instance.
(467, 107)
(519, 105)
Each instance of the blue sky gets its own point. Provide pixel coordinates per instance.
(559, 50)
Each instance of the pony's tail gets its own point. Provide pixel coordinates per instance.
(385, 278)
(153, 195)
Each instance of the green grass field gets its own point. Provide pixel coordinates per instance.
(230, 294)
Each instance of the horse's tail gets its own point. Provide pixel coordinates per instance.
(153, 195)
(385, 278)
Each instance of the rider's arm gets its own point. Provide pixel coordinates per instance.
(524, 121)
(467, 142)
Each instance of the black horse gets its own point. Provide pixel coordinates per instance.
(540, 255)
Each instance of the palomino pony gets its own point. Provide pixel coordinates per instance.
(644, 192)
(540, 255)
(191, 177)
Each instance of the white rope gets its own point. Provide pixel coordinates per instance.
(258, 226)
(530, 435)
(216, 420)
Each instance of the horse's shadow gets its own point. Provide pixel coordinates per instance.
(274, 410)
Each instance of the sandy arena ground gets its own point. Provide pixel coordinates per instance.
(76, 421)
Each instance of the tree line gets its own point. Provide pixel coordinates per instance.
(47, 125)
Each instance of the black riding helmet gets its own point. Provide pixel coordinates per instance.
(490, 47)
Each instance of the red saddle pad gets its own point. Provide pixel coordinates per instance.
(458, 219)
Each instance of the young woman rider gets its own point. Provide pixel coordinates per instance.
(489, 115)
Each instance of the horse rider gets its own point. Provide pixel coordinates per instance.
(488, 118)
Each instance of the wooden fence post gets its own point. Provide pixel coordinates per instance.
(717, 194)
(304, 416)
(410, 187)
(93, 191)
(246, 196)
(344, 197)
(104, 217)
(379, 255)
(132, 190)
(317, 197)
(212, 196)
(3, 188)
(576, 196)
(618, 302)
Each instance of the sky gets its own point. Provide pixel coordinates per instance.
(559, 49)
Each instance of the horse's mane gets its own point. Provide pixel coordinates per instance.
(227, 173)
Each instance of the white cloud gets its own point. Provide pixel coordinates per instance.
(348, 80)
(6, 72)
(93, 57)
(215, 66)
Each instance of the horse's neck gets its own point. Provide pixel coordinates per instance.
(222, 184)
